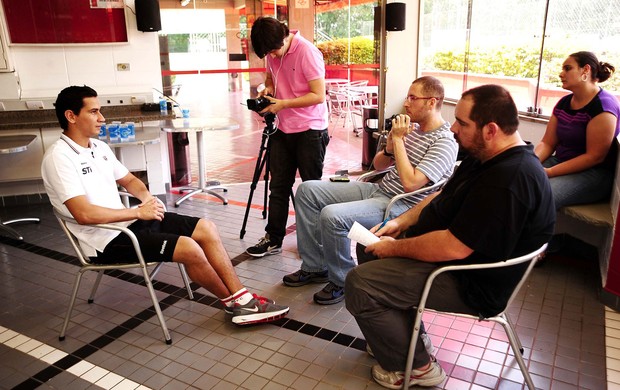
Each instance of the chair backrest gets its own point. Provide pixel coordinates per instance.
(529, 257)
(358, 83)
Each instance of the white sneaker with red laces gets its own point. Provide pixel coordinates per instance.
(432, 376)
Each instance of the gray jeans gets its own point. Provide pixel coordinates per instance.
(382, 295)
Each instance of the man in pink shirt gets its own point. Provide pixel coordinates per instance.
(295, 86)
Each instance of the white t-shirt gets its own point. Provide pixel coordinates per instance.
(70, 170)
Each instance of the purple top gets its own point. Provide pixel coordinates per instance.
(572, 124)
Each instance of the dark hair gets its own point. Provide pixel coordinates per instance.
(71, 98)
(601, 71)
(431, 86)
(493, 103)
(267, 34)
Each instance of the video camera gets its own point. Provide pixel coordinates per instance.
(388, 122)
(258, 104)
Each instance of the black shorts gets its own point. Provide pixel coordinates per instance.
(157, 239)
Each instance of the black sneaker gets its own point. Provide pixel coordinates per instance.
(264, 247)
(329, 295)
(302, 277)
(256, 311)
(229, 310)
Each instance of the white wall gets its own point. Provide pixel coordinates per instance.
(43, 70)
(401, 60)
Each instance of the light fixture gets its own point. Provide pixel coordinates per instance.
(184, 2)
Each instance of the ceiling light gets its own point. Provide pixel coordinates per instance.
(184, 2)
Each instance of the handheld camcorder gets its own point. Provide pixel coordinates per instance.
(258, 104)
(388, 122)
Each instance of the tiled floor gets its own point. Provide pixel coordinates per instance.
(117, 343)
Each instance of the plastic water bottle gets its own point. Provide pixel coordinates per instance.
(124, 132)
(132, 131)
(103, 135)
(114, 132)
(163, 106)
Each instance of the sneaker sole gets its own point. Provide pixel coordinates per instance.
(271, 252)
(329, 302)
(249, 319)
(303, 283)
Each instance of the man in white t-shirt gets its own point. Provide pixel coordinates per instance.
(81, 176)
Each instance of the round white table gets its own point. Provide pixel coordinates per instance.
(199, 126)
(15, 144)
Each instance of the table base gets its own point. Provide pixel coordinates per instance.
(209, 188)
(13, 232)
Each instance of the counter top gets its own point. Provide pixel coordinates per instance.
(29, 119)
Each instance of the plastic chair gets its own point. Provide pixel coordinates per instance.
(340, 106)
(87, 265)
(501, 318)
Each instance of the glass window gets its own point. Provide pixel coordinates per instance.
(346, 35)
(467, 43)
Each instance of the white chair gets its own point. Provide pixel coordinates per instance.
(501, 318)
(87, 265)
(340, 106)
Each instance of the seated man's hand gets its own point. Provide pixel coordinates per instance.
(151, 209)
(400, 126)
(390, 229)
(381, 248)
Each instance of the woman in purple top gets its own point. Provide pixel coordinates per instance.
(578, 149)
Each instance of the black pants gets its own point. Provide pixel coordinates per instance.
(288, 153)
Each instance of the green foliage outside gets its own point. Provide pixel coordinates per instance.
(334, 23)
(178, 43)
(337, 52)
(511, 62)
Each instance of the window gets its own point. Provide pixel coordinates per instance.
(466, 43)
(346, 35)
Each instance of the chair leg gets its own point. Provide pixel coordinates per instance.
(517, 349)
(76, 286)
(412, 345)
(91, 299)
(190, 293)
(160, 316)
(507, 319)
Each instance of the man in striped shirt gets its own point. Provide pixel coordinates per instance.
(420, 148)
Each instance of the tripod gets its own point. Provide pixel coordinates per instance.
(261, 162)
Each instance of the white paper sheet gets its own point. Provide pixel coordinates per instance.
(362, 235)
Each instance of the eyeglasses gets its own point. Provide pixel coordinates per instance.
(412, 98)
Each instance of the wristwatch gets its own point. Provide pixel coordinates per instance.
(386, 153)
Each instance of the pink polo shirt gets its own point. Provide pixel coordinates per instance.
(302, 63)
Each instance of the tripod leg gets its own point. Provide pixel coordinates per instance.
(260, 163)
(266, 185)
